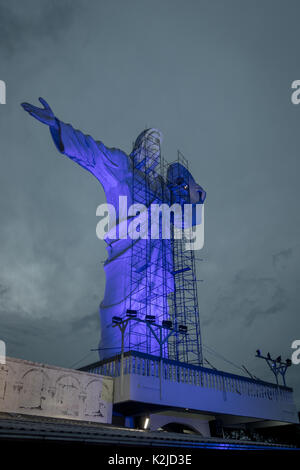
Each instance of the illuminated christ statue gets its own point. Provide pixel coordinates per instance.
(113, 168)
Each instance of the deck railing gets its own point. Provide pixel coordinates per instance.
(172, 371)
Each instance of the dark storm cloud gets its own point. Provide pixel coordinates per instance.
(254, 291)
(90, 321)
(38, 339)
(3, 290)
(215, 78)
(247, 299)
(23, 22)
(281, 258)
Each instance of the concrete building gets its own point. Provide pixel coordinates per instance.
(154, 394)
(102, 404)
(29, 388)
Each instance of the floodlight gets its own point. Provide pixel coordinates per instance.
(182, 328)
(116, 319)
(131, 313)
(150, 318)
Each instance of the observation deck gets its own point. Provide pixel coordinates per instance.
(147, 382)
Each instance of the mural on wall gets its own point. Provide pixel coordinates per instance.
(3, 378)
(94, 405)
(37, 389)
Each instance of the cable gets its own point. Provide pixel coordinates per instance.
(212, 351)
(213, 367)
(242, 367)
(73, 365)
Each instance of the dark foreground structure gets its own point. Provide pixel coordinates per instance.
(165, 395)
(33, 430)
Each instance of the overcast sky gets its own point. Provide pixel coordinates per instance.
(215, 77)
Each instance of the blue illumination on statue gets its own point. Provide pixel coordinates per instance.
(139, 273)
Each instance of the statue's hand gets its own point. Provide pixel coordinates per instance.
(44, 114)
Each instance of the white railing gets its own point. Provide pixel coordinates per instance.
(193, 375)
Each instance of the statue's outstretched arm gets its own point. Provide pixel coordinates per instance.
(79, 147)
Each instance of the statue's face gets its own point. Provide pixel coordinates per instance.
(183, 186)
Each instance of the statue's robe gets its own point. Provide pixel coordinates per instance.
(130, 282)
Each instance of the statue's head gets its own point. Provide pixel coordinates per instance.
(146, 155)
(146, 149)
(183, 186)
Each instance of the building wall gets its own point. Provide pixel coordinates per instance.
(38, 389)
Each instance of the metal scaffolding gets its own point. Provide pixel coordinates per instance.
(163, 274)
(184, 307)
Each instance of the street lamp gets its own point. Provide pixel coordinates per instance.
(149, 321)
(122, 325)
(277, 366)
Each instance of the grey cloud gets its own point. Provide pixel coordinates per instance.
(248, 298)
(3, 290)
(49, 340)
(36, 20)
(88, 321)
(281, 258)
(277, 305)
